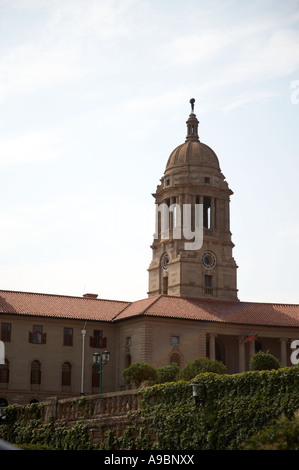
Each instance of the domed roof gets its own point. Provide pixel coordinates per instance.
(193, 152)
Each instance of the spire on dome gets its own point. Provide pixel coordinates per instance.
(192, 124)
(192, 101)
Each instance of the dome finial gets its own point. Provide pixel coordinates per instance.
(192, 101)
(192, 124)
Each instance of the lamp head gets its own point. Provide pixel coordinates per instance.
(105, 356)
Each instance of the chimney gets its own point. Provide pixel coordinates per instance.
(90, 296)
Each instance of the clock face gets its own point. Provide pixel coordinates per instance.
(208, 260)
(164, 261)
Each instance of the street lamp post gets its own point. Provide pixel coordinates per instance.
(195, 392)
(99, 361)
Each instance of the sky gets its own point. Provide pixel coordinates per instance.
(94, 96)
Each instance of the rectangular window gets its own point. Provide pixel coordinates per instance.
(165, 285)
(175, 340)
(68, 337)
(37, 334)
(6, 332)
(208, 284)
(128, 341)
(97, 338)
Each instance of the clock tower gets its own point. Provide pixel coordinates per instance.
(192, 247)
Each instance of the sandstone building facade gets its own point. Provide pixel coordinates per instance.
(192, 308)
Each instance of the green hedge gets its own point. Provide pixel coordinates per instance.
(23, 427)
(231, 409)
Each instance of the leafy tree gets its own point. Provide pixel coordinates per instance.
(140, 372)
(201, 365)
(264, 361)
(168, 373)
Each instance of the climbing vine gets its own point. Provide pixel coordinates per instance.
(230, 410)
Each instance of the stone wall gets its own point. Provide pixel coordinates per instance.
(105, 405)
(100, 413)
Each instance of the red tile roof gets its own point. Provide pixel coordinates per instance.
(163, 306)
(252, 313)
(59, 306)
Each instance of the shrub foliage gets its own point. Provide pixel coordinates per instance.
(199, 366)
(140, 372)
(264, 361)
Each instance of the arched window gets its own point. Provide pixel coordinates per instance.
(175, 359)
(4, 372)
(128, 361)
(95, 377)
(3, 402)
(66, 374)
(35, 376)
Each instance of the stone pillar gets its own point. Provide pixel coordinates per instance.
(283, 352)
(241, 355)
(212, 215)
(212, 348)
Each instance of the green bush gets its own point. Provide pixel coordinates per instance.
(168, 373)
(281, 435)
(264, 361)
(140, 372)
(201, 365)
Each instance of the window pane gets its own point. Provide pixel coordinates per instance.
(66, 374)
(5, 331)
(4, 373)
(37, 334)
(68, 337)
(175, 340)
(97, 338)
(35, 373)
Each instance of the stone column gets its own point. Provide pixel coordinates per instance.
(212, 214)
(283, 352)
(212, 348)
(241, 355)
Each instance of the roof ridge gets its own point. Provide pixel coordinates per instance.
(155, 299)
(63, 295)
(269, 303)
(152, 303)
